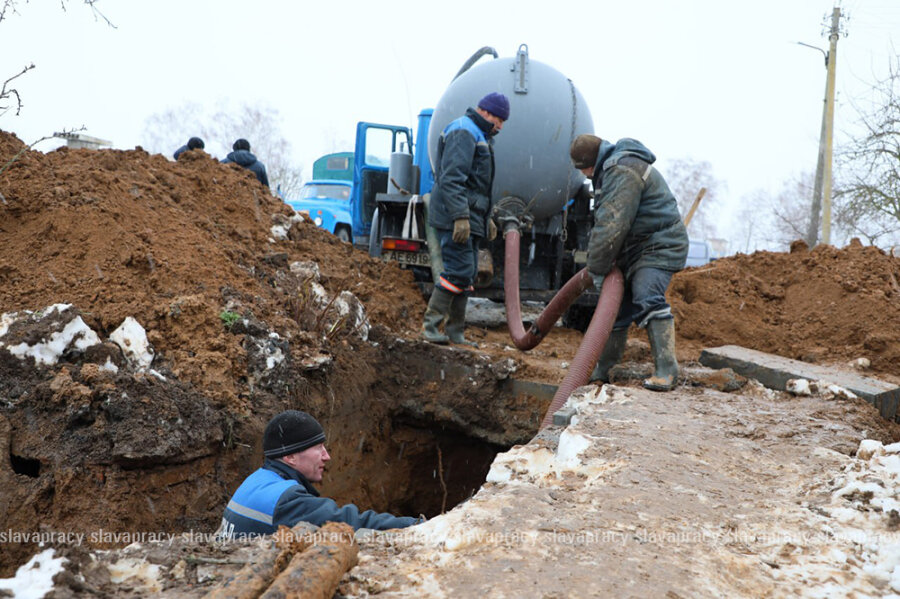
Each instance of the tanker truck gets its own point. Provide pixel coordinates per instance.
(535, 183)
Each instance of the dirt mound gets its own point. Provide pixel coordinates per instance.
(824, 305)
(126, 233)
(247, 310)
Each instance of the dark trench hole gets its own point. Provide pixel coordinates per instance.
(443, 468)
(27, 466)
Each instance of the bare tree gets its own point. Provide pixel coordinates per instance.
(685, 178)
(789, 211)
(170, 129)
(748, 227)
(867, 194)
(9, 95)
(261, 126)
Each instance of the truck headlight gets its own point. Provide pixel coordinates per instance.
(318, 221)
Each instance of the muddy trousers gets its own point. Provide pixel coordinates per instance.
(644, 303)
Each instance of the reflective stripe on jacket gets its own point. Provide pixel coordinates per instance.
(276, 495)
(463, 174)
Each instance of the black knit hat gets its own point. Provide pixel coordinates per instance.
(241, 144)
(195, 143)
(290, 432)
(584, 151)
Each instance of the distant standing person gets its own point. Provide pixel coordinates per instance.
(459, 210)
(194, 143)
(636, 225)
(241, 155)
(281, 492)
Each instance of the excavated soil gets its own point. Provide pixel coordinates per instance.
(825, 305)
(218, 273)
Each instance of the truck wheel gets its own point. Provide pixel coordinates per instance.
(343, 234)
(375, 235)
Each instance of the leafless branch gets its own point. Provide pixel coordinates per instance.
(7, 92)
(97, 14)
(8, 5)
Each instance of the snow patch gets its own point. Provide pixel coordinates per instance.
(34, 579)
(869, 448)
(6, 319)
(571, 446)
(798, 387)
(280, 232)
(306, 270)
(523, 464)
(274, 357)
(75, 334)
(350, 308)
(132, 338)
(145, 576)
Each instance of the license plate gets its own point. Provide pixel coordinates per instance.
(414, 258)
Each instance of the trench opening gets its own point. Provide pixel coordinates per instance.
(442, 469)
(25, 466)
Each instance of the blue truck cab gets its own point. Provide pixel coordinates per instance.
(326, 202)
(341, 196)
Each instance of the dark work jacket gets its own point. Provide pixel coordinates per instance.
(463, 174)
(276, 495)
(636, 218)
(180, 151)
(248, 161)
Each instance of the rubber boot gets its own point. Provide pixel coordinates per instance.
(612, 354)
(456, 323)
(437, 312)
(662, 344)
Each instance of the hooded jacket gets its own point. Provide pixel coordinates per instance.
(636, 218)
(276, 495)
(247, 160)
(464, 174)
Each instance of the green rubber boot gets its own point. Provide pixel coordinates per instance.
(612, 354)
(437, 312)
(662, 344)
(456, 323)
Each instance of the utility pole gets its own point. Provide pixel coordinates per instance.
(829, 124)
(812, 231)
(826, 136)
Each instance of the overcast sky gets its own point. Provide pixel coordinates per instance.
(714, 80)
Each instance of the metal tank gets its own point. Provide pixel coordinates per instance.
(532, 151)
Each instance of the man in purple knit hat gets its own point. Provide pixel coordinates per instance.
(459, 210)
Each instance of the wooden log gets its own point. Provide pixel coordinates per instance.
(316, 573)
(253, 579)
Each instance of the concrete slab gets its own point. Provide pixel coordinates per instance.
(774, 371)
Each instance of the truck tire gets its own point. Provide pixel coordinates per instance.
(375, 236)
(343, 234)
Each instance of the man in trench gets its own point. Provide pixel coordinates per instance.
(638, 227)
(281, 492)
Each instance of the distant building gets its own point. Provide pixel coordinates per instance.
(78, 140)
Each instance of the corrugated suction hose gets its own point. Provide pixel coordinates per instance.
(594, 338)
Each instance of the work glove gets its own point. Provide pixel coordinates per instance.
(598, 281)
(492, 230)
(461, 230)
